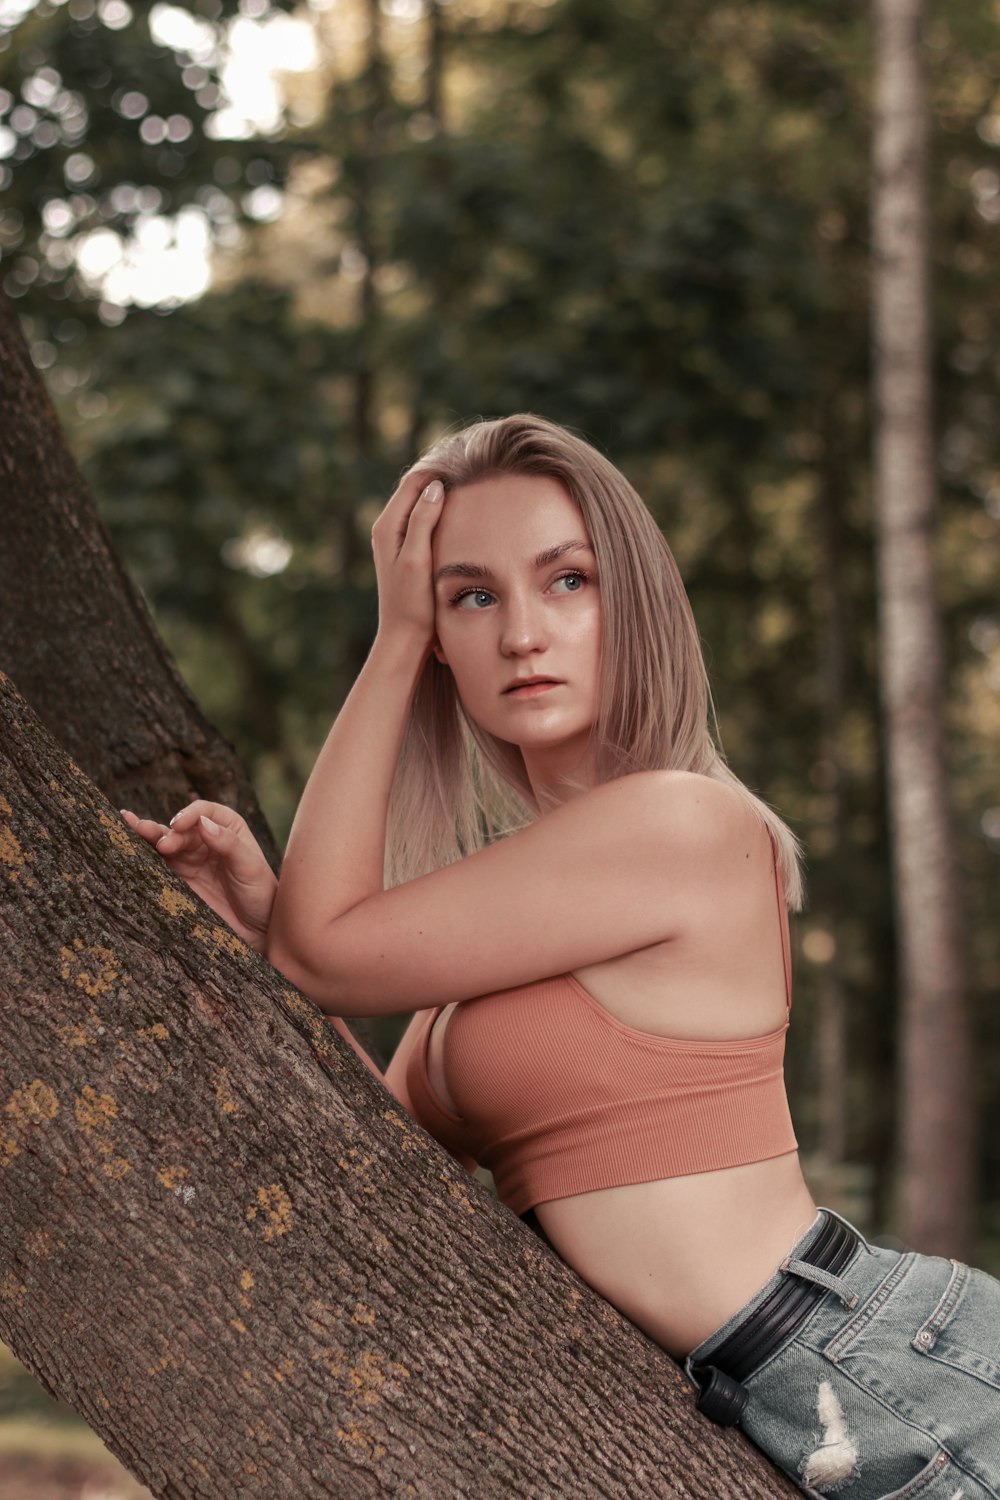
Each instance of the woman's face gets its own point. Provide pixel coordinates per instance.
(508, 608)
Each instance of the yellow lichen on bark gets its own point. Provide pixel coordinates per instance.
(367, 1378)
(459, 1194)
(354, 1162)
(246, 1285)
(94, 1115)
(32, 1103)
(363, 1314)
(81, 1033)
(238, 1324)
(219, 937)
(361, 1440)
(12, 1290)
(9, 1149)
(172, 1178)
(283, 1368)
(224, 1096)
(90, 968)
(117, 833)
(11, 853)
(410, 1138)
(5, 807)
(174, 901)
(273, 1208)
(40, 1243)
(155, 1033)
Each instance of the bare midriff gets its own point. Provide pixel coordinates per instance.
(680, 1256)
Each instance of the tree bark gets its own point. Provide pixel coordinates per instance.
(75, 635)
(227, 1246)
(936, 1107)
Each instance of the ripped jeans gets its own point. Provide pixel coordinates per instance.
(896, 1397)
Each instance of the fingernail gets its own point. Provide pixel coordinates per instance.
(162, 840)
(434, 491)
(209, 826)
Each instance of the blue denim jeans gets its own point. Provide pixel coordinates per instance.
(890, 1388)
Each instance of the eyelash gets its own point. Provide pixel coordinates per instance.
(570, 573)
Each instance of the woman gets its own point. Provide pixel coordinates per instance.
(520, 827)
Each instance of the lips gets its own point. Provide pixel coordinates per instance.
(530, 682)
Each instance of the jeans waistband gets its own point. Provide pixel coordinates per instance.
(810, 1272)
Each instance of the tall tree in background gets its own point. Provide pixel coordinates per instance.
(937, 1106)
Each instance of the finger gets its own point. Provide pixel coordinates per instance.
(395, 514)
(419, 522)
(174, 843)
(244, 860)
(146, 828)
(188, 816)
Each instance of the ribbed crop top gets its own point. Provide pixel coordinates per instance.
(556, 1096)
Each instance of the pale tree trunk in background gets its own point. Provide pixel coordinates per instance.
(832, 1030)
(937, 1135)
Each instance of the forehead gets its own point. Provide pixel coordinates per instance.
(517, 514)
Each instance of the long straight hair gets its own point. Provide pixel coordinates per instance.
(458, 788)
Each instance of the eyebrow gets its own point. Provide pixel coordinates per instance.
(479, 570)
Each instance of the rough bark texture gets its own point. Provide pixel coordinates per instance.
(937, 1120)
(75, 635)
(224, 1243)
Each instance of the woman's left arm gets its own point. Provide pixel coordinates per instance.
(336, 849)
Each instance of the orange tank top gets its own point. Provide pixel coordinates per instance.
(556, 1096)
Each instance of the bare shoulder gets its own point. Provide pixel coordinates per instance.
(688, 811)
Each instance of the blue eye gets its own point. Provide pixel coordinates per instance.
(471, 594)
(578, 577)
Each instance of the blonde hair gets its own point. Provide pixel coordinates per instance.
(456, 787)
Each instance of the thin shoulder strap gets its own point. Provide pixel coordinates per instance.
(786, 945)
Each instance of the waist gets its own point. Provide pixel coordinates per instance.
(663, 1252)
(810, 1272)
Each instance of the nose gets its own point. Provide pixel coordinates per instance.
(522, 627)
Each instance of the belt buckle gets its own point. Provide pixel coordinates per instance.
(721, 1399)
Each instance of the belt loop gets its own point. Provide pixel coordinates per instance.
(827, 1279)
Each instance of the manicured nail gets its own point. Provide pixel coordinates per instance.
(209, 826)
(434, 491)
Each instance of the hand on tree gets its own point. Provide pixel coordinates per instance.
(211, 848)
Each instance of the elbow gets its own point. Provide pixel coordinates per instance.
(320, 989)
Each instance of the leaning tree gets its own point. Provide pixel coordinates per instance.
(221, 1239)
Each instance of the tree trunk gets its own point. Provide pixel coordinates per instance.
(77, 639)
(832, 1039)
(75, 635)
(937, 1116)
(227, 1246)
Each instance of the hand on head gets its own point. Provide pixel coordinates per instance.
(211, 848)
(401, 543)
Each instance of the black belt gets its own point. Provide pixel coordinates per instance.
(723, 1397)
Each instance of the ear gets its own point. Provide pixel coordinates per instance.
(439, 653)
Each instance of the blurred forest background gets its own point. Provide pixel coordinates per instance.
(263, 253)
